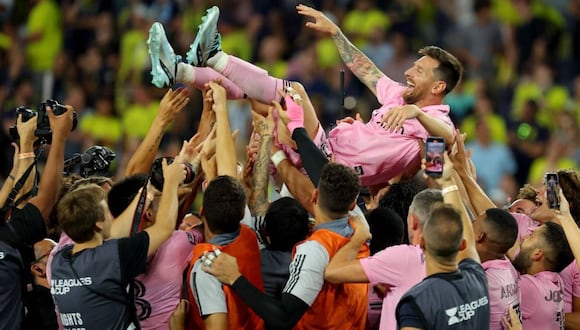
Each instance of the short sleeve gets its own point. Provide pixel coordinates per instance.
(388, 90)
(207, 291)
(133, 255)
(408, 315)
(28, 224)
(389, 266)
(307, 271)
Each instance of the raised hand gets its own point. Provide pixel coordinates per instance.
(321, 22)
(171, 104)
(60, 125)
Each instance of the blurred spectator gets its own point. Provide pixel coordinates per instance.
(103, 127)
(378, 49)
(478, 44)
(527, 140)
(461, 101)
(361, 22)
(44, 40)
(402, 58)
(494, 162)
(484, 110)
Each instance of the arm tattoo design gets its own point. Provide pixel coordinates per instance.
(258, 201)
(357, 61)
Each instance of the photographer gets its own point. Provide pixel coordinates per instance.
(90, 277)
(27, 225)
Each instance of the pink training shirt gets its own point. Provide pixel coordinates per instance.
(377, 154)
(571, 282)
(158, 290)
(542, 303)
(502, 280)
(399, 267)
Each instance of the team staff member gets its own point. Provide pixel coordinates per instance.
(28, 224)
(455, 292)
(308, 301)
(90, 277)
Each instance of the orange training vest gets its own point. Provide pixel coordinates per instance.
(338, 306)
(245, 249)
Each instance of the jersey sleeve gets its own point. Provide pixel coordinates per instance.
(388, 89)
(28, 224)
(307, 271)
(389, 266)
(207, 291)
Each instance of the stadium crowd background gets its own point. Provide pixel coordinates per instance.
(519, 101)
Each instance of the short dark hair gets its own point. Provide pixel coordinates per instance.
(449, 70)
(123, 192)
(400, 196)
(286, 223)
(79, 210)
(570, 183)
(558, 253)
(443, 232)
(503, 228)
(224, 203)
(386, 227)
(338, 188)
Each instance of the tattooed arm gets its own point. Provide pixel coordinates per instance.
(258, 201)
(170, 106)
(355, 60)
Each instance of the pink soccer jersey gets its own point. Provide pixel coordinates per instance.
(571, 284)
(399, 267)
(525, 225)
(158, 290)
(375, 153)
(502, 280)
(542, 303)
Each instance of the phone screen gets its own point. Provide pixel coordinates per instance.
(552, 190)
(434, 150)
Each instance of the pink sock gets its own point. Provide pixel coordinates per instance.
(203, 75)
(295, 114)
(255, 82)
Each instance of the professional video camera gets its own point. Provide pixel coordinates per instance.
(43, 131)
(95, 161)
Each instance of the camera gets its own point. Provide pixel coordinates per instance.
(43, 131)
(95, 161)
(157, 179)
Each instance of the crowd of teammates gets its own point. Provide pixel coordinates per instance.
(436, 250)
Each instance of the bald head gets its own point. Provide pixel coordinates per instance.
(443, 232)
(43, 248)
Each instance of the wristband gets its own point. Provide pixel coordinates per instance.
(26, 155)
(278, 157)
(449, 189)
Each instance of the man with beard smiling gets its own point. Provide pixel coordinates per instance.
(543, 254)
(383, 148)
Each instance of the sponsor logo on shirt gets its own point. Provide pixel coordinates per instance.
(2, 255)
(465, 312)
(72, 320)
(61, 287)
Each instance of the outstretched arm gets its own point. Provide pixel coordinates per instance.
(170, 106)
(355, 60)
(258, 199)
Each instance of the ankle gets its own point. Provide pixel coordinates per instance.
(219, 61)
(185, 73)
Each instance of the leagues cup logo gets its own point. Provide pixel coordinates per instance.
(452, 314)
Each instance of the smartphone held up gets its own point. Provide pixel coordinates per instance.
(552, 190)
(434, 156)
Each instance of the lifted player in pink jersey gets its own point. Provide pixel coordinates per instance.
(380, 149)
